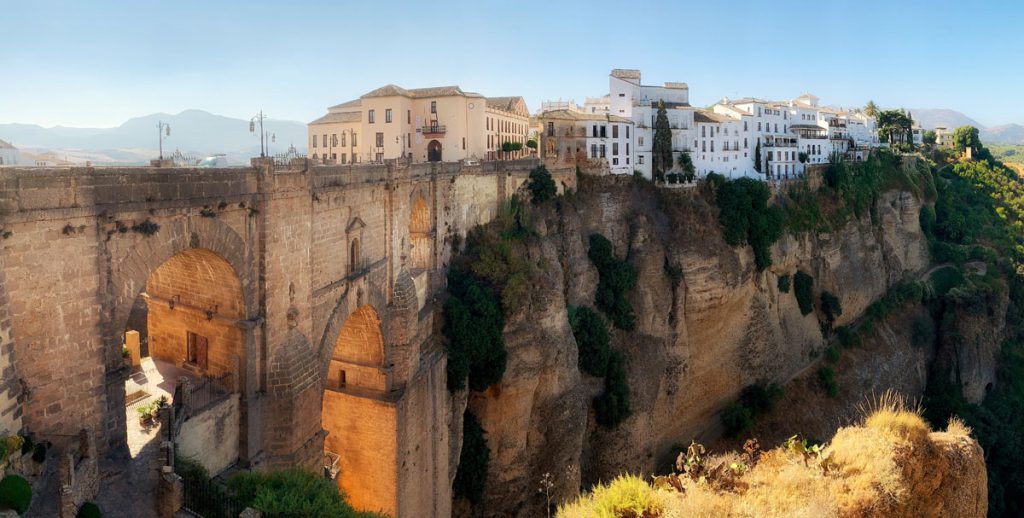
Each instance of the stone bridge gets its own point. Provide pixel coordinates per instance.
(307, 290)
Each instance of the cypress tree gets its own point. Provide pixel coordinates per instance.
(662, 148)
(757, 156)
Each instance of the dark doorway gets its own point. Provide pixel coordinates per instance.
(434, 151)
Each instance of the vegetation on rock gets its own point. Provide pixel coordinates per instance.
(542, 186)
(591, 336)
(615, 278)
(293, 492)
(471, 475)
(747, 218)
(754, 401)
(612, 407)
(802, 284)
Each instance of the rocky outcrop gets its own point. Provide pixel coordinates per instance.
(700, 337)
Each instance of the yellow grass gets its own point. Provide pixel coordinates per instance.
(875, 469)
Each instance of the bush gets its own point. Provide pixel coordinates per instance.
(760, 399)
(802, 284)
(784, 281)
(15, 493)
(542, 186)
(615, 278)
(736, 419)
(832, 354)
(831, 307)
(473, 324)
(591, 340)
(747, 218)
(292, 492)
(847, 338)
(89, 510)
(471, 475)
(827, 380)
(612, 407)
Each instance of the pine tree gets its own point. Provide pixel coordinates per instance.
(662, 149)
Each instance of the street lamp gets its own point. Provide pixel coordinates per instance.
(163, 131)
(265, 137)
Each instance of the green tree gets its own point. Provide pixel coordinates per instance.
(967, 137)
(542, 186)
(747, 218)
(929, 137)
(894, 126)
(757, 156)
(802, 284)
(591, 336)
(612, 406)
(662, 146)
(686, 165)
(831, 307)
(532, 143)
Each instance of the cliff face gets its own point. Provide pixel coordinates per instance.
(698, 341)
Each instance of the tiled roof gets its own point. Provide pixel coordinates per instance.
(413, 93)
(706, 116)
(335, 118)
(626, 73)
(581, 116)
(355, 103)
(504, 103)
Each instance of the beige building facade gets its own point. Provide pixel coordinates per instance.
(440, 124)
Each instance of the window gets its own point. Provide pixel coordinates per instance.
(380, 139)
(744, 142)
(595, 131)
(744, 125)
(408, 118)
(354, 144)
(334, 139)
(343, 140)
(197, 350)
(314, 140)
(615, 149)
(551, 129)
(615, 131)
(353, 256)
(387, 116)
(334, 156)
(593, 151)
(622, 95)
(602, 151)
(344, 157)
(712, 146)
(640, 142)
(640, 159)
(627, 131)
(627, 160)
(615, 161)
(325, 140)
(341, 378)
(380, 157)
(627, 150)
(463, 142)
(604, 131)
(703, 131)
(758, 126)
(370, 116)
(703, 146)
(433, 106)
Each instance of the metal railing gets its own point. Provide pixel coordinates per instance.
(433, 130)
(208, 499)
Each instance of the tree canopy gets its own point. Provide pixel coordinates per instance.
(894, 126)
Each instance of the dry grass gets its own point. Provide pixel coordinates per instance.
(886, 466)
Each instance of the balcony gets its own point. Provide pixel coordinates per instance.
(433, 131)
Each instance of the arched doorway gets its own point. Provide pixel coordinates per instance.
(194, 303)
(419, 234)
(434, 151)
(358, 417)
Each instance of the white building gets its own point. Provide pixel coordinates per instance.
(8, 154)
(588, 139)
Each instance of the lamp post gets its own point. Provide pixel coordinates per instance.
(265, 138)
(163, 131)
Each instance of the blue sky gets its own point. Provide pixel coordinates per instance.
(93, 63)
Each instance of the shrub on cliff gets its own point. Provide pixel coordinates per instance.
(802, 284)
(542, 186)
(830, 307)
(473, 325)
(471, 475)
(615, 278)
(755, 400)
(747, 218)
(784, 281)
(827, 380)
(292, 492)
(612, 406)
(15, 493)
(591, 336)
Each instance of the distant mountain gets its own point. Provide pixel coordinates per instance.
(930, 118)
(1005, 134)
(194, 132)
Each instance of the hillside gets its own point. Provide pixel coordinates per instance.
(930, 118)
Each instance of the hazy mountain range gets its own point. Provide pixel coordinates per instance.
(929, 118)
(194, 132)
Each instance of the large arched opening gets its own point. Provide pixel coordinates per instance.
(193, 309)
(359, 418)
(419, 235)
